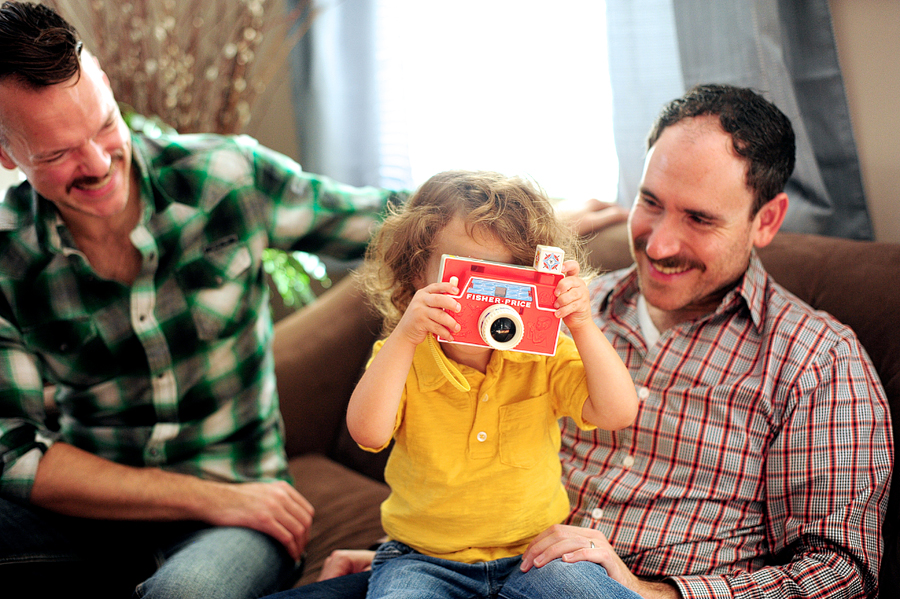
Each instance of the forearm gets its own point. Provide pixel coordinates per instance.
(76, 483)
(612, 401)
(658, 590)
(372, 411)
(822, 575)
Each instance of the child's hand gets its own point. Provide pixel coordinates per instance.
(427, 313)
(573, 302)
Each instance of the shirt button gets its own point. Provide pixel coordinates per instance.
(596, 513)
(643, 393)
(482, 436)
(484, 397)
(628, 461)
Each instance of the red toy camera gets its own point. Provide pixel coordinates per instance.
(504, 306)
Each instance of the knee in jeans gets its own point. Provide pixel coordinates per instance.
(562, 579)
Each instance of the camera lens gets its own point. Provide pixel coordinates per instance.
(500, 326)
(502, 330)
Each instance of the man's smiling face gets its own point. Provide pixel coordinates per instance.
(70, 141)
(690, 229)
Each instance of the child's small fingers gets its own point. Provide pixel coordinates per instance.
(446, 321)
(447, 287)
(444, 302)
(445, 327)
(571, 268)
(569, 295)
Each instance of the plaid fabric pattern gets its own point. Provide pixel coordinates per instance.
(176, 370)
(760, 460)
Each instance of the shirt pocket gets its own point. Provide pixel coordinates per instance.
(218, 288)
(72, 351)
(525, 432)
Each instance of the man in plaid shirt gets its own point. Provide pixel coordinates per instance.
(131, 281)
(760, 460)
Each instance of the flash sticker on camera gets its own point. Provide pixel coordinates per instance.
(504, 306)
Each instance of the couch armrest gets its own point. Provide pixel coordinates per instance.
(319, 355)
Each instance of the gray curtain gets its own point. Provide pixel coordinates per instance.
(782, 48)
(335, 93)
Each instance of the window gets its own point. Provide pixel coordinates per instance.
(516, 86)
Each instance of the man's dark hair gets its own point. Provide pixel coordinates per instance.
(38, 47)
(760, 133)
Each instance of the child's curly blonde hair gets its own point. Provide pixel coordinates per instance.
(512, 209)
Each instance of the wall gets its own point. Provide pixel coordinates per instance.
(868, 40)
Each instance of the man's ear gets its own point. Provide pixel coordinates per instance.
(5, 159)
(768, 220)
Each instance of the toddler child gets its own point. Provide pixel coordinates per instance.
(474, 471)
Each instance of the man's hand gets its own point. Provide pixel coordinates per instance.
(275, 508)
(590, 216)
(346, 561)
(574, 544)
(74, 482)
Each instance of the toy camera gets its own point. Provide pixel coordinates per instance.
(504, 306)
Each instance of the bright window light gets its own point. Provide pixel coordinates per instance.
(516, 86)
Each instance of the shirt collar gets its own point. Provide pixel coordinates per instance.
(750, 292)
(430, 377)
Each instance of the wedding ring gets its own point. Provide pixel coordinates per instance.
(592, 544)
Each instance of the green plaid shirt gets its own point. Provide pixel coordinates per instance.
(174, 371)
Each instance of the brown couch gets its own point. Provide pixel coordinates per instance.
(320, 352)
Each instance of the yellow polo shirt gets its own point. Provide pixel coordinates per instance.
(475, 475)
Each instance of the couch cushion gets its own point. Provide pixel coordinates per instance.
(347, 508)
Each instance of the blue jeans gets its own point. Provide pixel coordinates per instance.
(586, 579)
(351, 586)
(398, 572)
(51, 555)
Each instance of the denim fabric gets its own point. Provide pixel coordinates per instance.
(47, 555)
(352, 586)
(400, 572)
(219, 563)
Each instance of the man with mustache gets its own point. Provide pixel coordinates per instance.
(760, 460)
(131, 281)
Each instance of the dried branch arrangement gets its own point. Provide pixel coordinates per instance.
(198, 65)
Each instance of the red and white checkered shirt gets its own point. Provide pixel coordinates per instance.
(760, 460)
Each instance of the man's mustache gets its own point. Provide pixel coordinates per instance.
(115, 158)
(673, 262)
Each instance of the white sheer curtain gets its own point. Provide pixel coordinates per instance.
(517, 86)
